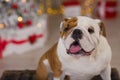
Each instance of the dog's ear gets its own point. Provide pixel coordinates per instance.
(72, 22)
(102, 27)
(66, 19)
(62, 22)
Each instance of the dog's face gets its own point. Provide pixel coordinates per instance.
(80, 35)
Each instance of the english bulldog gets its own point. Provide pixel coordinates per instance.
(81, 52)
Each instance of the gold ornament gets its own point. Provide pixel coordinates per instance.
(88, 8)
(40, 10)
(2, 25)
(51, 10)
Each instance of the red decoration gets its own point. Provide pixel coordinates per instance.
(32, 6)
(32, 38)
(14, 6)
(4, 43)
(111, 9)
(107, 9)
(20, 24)
(25, 11)
(29, 22)
(71, 3)
(71, 6)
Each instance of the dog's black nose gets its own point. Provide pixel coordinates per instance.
(77, 34)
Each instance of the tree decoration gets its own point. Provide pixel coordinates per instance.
(39, 25)
(20, 24)
(88, 8)
(51, 7)
(25, 11)
(19, 14)
(4, 42)
(20, 18)
(29, 22)
(32, 38)
(14, 6)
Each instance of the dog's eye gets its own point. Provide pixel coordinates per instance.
(91, 30)
(67, 28)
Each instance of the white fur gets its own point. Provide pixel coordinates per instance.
(56, 78)
(46, 62)
(86, 67)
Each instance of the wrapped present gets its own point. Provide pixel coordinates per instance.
(71, 8)
(107, 9)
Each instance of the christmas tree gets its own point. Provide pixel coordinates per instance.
(22, 26)
(18, 14)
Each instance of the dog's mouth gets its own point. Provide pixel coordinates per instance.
(75, 49)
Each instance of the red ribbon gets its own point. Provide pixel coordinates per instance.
(109, 5)
(71, 3)
(4, 43)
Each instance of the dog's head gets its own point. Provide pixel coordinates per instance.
(80, 35)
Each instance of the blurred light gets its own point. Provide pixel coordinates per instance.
(9, 12)
(39, 25)
(23, 1)
(20, 18)
(2, 26)
(39, 12)
(7, 0)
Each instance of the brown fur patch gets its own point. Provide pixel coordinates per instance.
(55, 64)
(102, 29)
(67, 26)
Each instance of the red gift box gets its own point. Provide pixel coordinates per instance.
(71, 8)
(107, 9)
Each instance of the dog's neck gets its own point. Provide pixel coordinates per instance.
(60, 47)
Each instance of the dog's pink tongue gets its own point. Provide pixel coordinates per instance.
(74, 49)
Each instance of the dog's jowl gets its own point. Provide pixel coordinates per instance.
(81, 53)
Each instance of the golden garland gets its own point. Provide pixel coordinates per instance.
(87, 8)
(50, 10)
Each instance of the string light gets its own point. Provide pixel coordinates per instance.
(20, 18)
(7, 0)
(2, 26)
(39, 25)
(24, 1)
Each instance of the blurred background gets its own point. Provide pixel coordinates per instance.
(28, 28)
